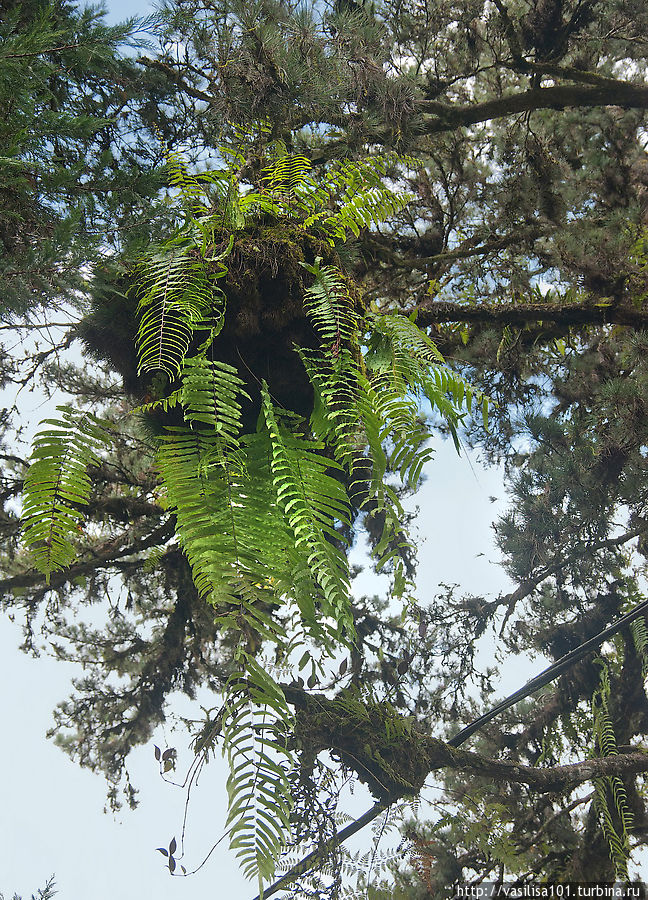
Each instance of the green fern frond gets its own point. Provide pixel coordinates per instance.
(640, 640)
(206, 487)
(57, 484)
(286, 172)
(211, 392)
(256, 726)
(399, 349)
(328, 305)
(312, 502)
(352, 196)
(610, 788)
(176, 296)
(189, 187)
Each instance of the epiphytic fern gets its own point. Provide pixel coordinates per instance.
(352, 196)
(328, 305)
(312, 503)
(639, 633)
(57, 485)
(261, 517)
(615, 815)
(256, 726)
(176, 297)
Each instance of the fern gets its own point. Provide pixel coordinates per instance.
(176, 297)
(312, 502)
(256, 725)
(260, 517)
(57, 484)
(328, 304)
(286, 172)
(353, 196)
(211, 392)
(610, 788)
(639, 633)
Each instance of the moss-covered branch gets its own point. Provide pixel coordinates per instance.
(394, 759)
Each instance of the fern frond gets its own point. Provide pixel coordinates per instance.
(210, 394)
(188, 185)
(256, 726)
(352, 196)
(610, 788)
(400, 350)
(176, 295)
(312, 502)
(328, 305)
(286, 172)
(640, 640)
(57, 484)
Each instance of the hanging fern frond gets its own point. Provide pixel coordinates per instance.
(211, 392)
(328, 305)
(615, 815)
(256, 726)
(639, 633)
(312, 502)
(399, 349)
(176, 297)
(57, 485)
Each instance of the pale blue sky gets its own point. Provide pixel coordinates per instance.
(53, 821)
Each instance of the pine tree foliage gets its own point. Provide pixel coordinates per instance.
(480, 165)
(68, 97)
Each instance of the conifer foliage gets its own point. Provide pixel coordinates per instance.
(299, 213)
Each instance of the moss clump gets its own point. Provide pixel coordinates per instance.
(372, 739)
(264, 318)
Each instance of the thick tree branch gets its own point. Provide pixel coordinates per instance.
(439, 117)
(397, 767)
(106, 556)
(436, 313)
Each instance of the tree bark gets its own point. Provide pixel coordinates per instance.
(436, 313)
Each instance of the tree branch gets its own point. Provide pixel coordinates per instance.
(168, 70)
(108, 555)
(439, 117)
(435, 312)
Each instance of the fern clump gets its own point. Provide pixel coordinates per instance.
(282, 405)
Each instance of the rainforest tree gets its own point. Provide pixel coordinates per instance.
(347, 193)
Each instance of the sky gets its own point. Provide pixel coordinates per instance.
(53, 821)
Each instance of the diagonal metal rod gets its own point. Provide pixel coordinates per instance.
(545, 677)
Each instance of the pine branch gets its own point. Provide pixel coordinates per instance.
(436, 313)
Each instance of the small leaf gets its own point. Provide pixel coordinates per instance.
(158, 753)
(163, 851)
(344, 665)
(173, 847)
(403, 666)
(312, 680)
(168, 753)
(172, 865)
(184, 871)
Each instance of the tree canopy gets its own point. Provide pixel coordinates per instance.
(291, 244)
